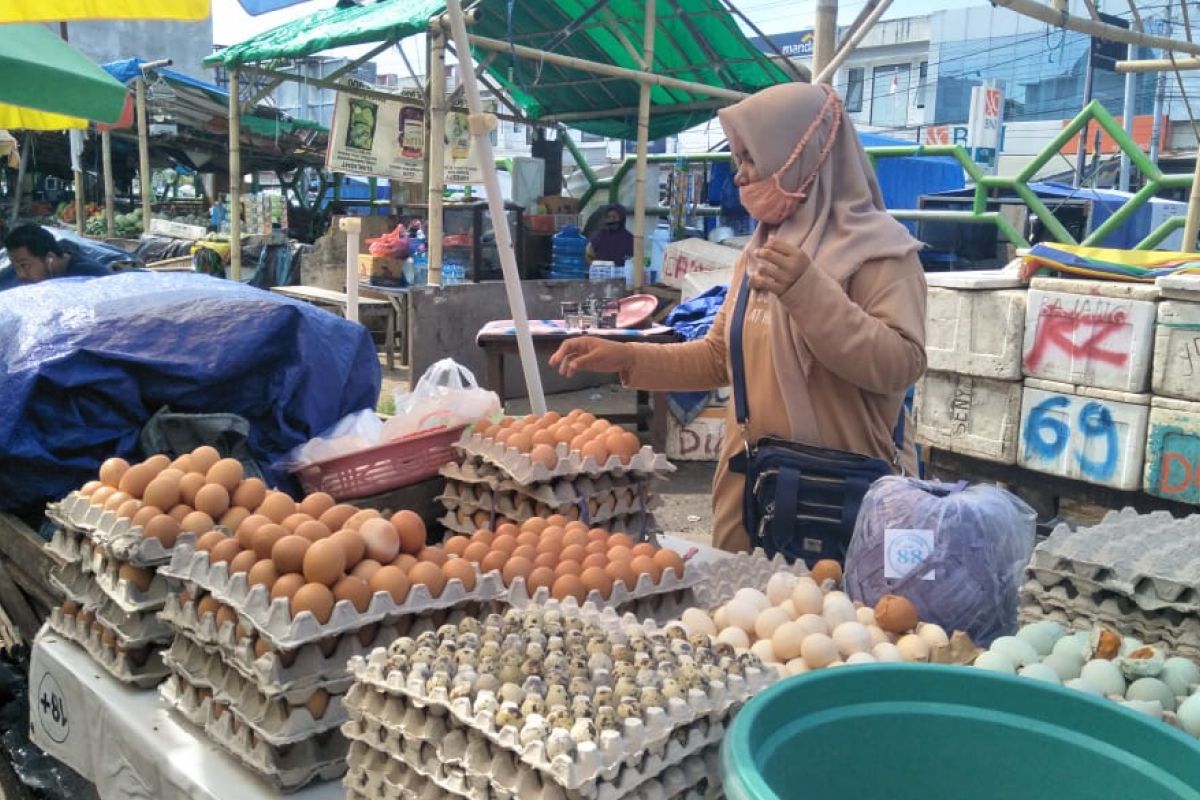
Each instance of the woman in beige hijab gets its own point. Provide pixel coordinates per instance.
(834, 331)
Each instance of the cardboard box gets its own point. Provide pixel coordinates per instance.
(380, 270)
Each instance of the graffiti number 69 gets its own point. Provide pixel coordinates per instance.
(1046, 437)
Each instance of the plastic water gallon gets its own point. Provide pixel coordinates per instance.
(658, 248)
(569, 252)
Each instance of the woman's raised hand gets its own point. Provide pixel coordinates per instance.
(590, 354)
(778, 265)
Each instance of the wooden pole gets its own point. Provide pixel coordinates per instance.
(109, 200)
(1192, 223)
(235, 178)
(143, 152)
(26, 154)
(825, 35)
(643, 145)
(80, 205)
(1156, 65)
(825, 74)
(437, 150)
(1044, 13)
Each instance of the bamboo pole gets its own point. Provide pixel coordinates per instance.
(1192, 226)
(1061, 19)
(437, 150)
(143, 152)
(235, 178)
(825, 36)
(109, 201)
(504, 245)
(1157, 64)
(26, 154)
(643, 145)
(825, 75)
(80, 204)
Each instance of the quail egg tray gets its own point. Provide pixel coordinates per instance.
(73, 583)
(429, 742)
(273, 618)
(520, 467)
(638, 524)
(589, 760)
(719, 579)
(122, 664)
(116, 535)
(595, 510)
(669, 583)
(321, 758)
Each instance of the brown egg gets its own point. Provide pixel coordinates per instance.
(507, 529)
(567, 568)
(827, 570)
(551, 540)
(163, 491)
(207, 605)
(90, 487)
(277, 507)
(594, 548)
(580, 441)
(209, 540)
(228, 472)
(460, 569)
(527, 538)
(492, 562)
(534, 525)
(544, 455)
(359, 517)
(429, 574)
(484, 536)
(539, 577)
(336, 517)
(233, 518)
(294, 521)
(516, 567)
(136, 479)
(225, 551)
(544, 437)
(522, 441)
(406, 562)
(623, 445)
(896, 614)
(315, 598)
(325, 562)
(556, 521)
(595, 579)
(163, 528)
(140, 578)
(381, 540)
(243, 561)
(112, 470)
(263, 572)
(595, 450)
(569, 586)
(411, 530)
(573, 552)
(352, 545)
(576, 537)
(287, 585)
(594, 560)
(101, 495)
(546, 560)
(456, 545)
(212, 499)
(288, 553)
(250, 526)
(620, 540)
(504, 543)
(250, 493)
(367, 568)
(667, 558)
(128, 509)
(644, 549)
(313, 530)
(108, 638)
(183, 464)
(355, 590)
(197, 522)
(144, 515)
(392, 581)
(204, 457)
(116, 500)
(189, 486)
(476, 552)
(317, 504)
(525, 551)
(265, 537)
(645, 565)
(622, 571)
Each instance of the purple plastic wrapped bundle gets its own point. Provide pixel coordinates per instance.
(957, 552)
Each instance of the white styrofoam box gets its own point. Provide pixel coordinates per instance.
(697, 283)
(1090, 333)
(975, 332)
(700, 439)
(178, 230)
(1177, 350)
(1083, 433)
(978, 280)
(973, 416)
(1173, 450)
(695, 255)
(1185, 286)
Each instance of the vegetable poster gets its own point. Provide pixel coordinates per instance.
(373, 137)
(462, 161)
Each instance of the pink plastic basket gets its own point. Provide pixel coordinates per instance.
(402, 462)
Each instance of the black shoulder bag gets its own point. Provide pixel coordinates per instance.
(801, 501)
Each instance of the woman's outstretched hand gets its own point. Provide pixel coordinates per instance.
(779, 265)
(590, 354)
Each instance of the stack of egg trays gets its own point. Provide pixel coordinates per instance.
(521, 469)
(427, 729)
(89, 544)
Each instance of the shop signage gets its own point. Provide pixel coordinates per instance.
(373, 137)
(462, 161)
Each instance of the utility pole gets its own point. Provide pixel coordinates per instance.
(825, 35)
(1160, 96)
(1127, 110)
(1081, 156)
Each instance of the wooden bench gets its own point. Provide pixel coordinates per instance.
(338, 301)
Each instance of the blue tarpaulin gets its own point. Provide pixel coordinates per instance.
(87, 362)
(691, 321)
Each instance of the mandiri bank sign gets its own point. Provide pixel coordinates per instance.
(794, 44)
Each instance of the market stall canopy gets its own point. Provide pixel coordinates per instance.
(696, 40)
(42, 73)
(77, 10)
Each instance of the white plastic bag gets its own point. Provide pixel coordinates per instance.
(447, 395)
(353, 432)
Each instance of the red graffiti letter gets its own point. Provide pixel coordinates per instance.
(1164, 474)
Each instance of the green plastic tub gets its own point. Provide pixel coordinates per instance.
(926, 732)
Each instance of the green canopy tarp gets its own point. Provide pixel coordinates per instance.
(42, 72)
(696, 40)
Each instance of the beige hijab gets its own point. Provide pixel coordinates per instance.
(841, 225)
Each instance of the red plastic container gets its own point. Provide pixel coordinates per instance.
(379, 469)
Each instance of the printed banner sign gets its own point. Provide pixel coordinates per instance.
(462, 162)
(373, 137)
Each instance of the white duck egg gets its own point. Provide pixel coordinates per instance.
(812, 623)
(721, 618)
(838, 609)
(852, 637)
(1181, 674)
(807, 597)
(754, 597)
(765, 651)
(797, 666)
(742, 614)
(1104, 675)
(866, 615)
(887, 652)
(789, 608)
(818, 650)
(1066, 667)
(735, 638)
(1189, 715)
(860, 658)
(768, 621)
(995, 662)
(1040, 672)
(1151, 689)
(697, 621)
(934, 635)
(789, 639)
(913, 648)
(1151, 708)
(1081, 685)
(779, 587)
(1042, 636)
(878, 635)
(1018, 651)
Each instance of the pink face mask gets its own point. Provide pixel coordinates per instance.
(766, 199)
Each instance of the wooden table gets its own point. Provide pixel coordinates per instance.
(651, 412)
(398, 297)
(367, 307)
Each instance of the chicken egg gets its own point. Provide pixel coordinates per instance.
(315, 598)
(669, 559)
(207, 541)
(277, 507)
(787, 640)
(316, 504)
(837, 608)
(405, 562)
(367, 568)
(411, 530)
(288, 553)
(228, 472)
(163, 491)
(735, 638)
(112, 470)
(765, 651)
(913, 648)
(646, 565)
(779, 587)
(392, 581)
(381, 540)
(352, 544)
(324, 562)
(430, 575)
(286, 586)
(569, 586)
(197, 522)
(462, 570)
(827, 570)
(263, 572)
(595, 579)
(355, 590)
(818, 650)
(212, 499)
(434, 555)
(895, 614)
(336, 518)
(622, 571)
(768, 620)
(233, 518)
(697, 621)
(596, 451)
(162, 527)
(225, 551)
(136, 576)
(250, 493)
(135, 480)
(312, 530)
(203, 458)
(851, 637)
(243, 561)
(493, 562)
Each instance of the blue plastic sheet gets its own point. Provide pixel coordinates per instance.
(86, 363)
(691, 321)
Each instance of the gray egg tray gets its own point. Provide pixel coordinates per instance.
(477, 474)
(133, 629)
(273, 618)
(521, 469)
(117, 536)
(322, 758)
(637, 524)
(68, 547)
(129, 597)
(719, 579)
(117, 663)
(73, 583)
(476, 767)
(608, 505)
(669, 583)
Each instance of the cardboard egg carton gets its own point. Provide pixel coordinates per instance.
(589, 760)
(471, 479)
(73, 583)
(273, 618)
(141, 667)
(719, 579)
(520, 468)
(115, 535)
(515, 506)
(466, 762)
(66, 546)
(321, 758)
(669, 583)
(636, 524)
(106, 572)
(133, 629)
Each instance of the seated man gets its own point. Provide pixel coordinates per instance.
(35, 256)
